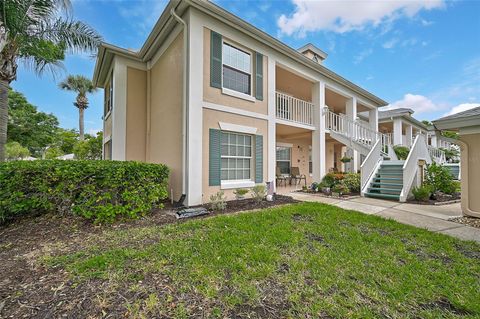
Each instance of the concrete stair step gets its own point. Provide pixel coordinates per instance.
(383, 196)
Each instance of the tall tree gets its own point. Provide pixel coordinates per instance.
(28, 126)
(39, 33)
(82, 86)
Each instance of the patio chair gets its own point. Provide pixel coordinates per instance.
(297, 177)
(280, 178)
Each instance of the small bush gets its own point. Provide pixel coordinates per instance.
(259, 192)
(440, 179)
(341, 188)
(422, 193)
(97, 190)
(314, 187)
(218, 201)
(352, 181)
(331, 179)
(240, 193)
(401, 152)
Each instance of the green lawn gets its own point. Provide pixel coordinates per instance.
(301, 261)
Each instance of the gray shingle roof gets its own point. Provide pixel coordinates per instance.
(468, 113)
(394, 112)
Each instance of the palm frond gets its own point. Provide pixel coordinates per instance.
(41, 66)
(77, 36)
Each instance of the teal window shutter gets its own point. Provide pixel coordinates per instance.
(258, 158)
(215, 60)
(214, 158)
(259, 76)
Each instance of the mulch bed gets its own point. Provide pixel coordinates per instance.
(467, 220)
(343, 196)
(26, 287)
(447, 200)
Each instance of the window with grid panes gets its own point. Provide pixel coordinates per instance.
(236, 156)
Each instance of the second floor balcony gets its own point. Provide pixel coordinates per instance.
(292, 109)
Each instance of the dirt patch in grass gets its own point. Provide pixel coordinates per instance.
(444, 305)
(251, 204)
(28, 289)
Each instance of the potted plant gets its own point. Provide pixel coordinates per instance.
(346, 159)
(240, 193)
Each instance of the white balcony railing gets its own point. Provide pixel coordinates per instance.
(292, 109)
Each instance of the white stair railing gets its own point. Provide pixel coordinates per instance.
(292, 109)
(370, 165)
(436, 154)
(356, 132)
(418, 151)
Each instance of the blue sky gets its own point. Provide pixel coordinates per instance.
(412, 53)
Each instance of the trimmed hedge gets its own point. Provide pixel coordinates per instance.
(97, 190)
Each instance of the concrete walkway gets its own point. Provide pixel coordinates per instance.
(433, 218)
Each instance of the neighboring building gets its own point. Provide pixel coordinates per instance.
(401, 128)
(226, 106)
(467, 124)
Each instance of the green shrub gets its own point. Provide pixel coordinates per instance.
(218, 201)
(401, 152)
(240, 193)
(97, 190)
(440, 179)
(341, 188)
(352, 181)
(331, 179)
(259, 192)
(422, 193)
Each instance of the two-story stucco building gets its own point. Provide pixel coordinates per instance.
(226, 105)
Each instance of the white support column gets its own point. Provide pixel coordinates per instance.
(272, 154)
(318, 136)
(351, 110)
(397, 132)
(195, 141)
(433, 139)
(119, 111)
(409, 134)
(373, 119)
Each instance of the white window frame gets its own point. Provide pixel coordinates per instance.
(284, 145)
(227, 91)
(237, 183)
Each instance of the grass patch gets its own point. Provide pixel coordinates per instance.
(302, 260)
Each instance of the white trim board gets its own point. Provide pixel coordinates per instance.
(237, 128)
(234, 110)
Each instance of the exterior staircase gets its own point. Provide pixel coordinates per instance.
(354, 134)
(382, 175)
(388, 181)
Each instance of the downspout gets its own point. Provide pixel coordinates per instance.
(184, 105)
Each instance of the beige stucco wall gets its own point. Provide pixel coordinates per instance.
(471, 185)
(292, 84)
(214, 95)
(136, 115)
(211, 118)
(165, 138)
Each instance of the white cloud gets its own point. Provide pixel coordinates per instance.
(362, 55)
(390, 43)
(461, 108)
(345, 16)
(426, 23)
(416, 102)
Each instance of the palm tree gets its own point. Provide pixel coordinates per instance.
(39, 33)
(83, 86)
